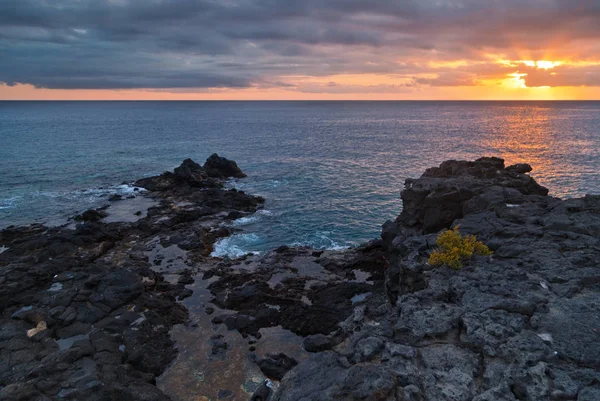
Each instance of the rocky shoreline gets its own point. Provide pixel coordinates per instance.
(138, 310)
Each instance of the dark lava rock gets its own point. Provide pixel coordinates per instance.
(458, 188)
(189, 170)
(188, 175)
(115, 197)
(91, 215)
(234, 215)
(521, 168)
(282, 249)
(275, 366)
(262, 393)
(82, 314)
(519, 325)
(317, 343)
(220, 167)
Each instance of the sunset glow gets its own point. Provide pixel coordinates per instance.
(186, 50)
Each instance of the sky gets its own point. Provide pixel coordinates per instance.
(299, 49)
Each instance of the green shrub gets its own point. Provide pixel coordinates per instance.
(454, 248)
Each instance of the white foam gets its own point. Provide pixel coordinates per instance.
(236, 245)
(8, 203)
(244, 221)
(264, 212)
(276, 183)
(3, 249)
(126, 189)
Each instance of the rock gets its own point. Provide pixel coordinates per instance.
(220, 167)
(189, 170)
(317, 343)
(275, 366)
(367, 348)
(189, 175)
(234, 215)
(91, 215)
(262, 393)
(439, 197)
(520, 324)
(520, 168)
(84, 315)
(115, 197)
(317, 377)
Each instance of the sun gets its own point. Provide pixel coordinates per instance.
(541, 64)
(547, 65)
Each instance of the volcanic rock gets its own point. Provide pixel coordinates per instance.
(220, 167)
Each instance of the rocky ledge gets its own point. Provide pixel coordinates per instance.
(522, 324)
(86, 313)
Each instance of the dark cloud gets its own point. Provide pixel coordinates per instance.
(239, 43)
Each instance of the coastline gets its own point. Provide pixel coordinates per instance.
(375, 322)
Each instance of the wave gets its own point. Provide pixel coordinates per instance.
(9, 203)
(254, 218)
(236, 245)
(265, 212)
(321, 240)
(275, 183)
(244, 221)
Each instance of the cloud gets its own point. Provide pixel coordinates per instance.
(563, 76)
(124, 44)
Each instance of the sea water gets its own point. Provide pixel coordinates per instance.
(331, 172)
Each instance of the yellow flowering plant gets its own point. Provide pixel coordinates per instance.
(453, 249)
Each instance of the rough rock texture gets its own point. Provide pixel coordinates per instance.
(522, 324)
(85, 313)
(275, 366)
(191, 175)
(220, 167)
(456, 188)
(297, 290)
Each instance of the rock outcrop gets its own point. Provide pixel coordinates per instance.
(191, 175)
(458, 188)
(220, 167)
(522, 324)
(86, 313)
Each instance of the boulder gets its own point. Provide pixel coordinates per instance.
(317, 343)
(220, 167)
(91, 215)
(275, 366)
(190, 174)
(456, 188)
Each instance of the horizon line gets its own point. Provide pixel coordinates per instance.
(301, 100)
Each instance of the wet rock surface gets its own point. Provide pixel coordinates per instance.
(85, 313)
(522, 324)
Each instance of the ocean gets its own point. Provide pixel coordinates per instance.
(331, 172)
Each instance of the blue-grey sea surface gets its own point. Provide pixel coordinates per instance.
(331, 172)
